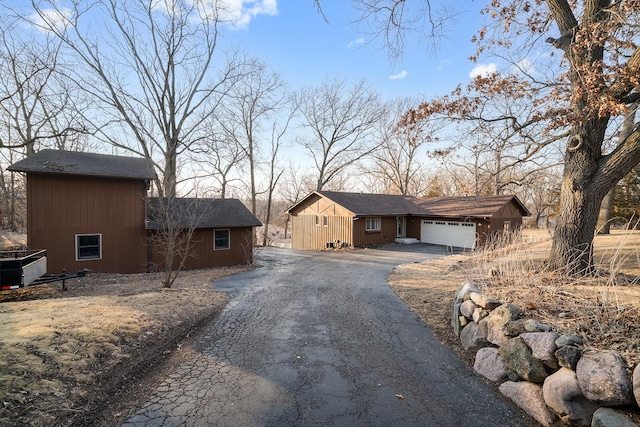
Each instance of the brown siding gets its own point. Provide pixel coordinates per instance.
(59, 207)
(306, 235)
(202, 254)
(387, 234)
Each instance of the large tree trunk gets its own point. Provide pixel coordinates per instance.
(606, 210)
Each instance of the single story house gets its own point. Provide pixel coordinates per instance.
(325, 219)
(91, 211)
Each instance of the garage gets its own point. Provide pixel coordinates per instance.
(448, 233)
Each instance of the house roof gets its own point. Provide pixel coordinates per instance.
(199, 213)
(361, 204)
(470, 206)
(371, 204)
(88, 164)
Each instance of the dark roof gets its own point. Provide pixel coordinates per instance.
(87, 164)
(395, 205)
(373, 204)
(468, 206)
(200, 213)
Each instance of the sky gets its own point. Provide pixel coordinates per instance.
(294, 38)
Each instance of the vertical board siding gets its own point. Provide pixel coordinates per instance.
(306, 235)
(387, 234)
(202, 254)
(59, 207)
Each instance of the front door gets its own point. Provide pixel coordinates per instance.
(402, 227)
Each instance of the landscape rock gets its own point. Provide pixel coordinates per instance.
(607, 417)
(472, 338)
(543, 346)
(455, 318)
(636, 384)
(568, 339)
(518, 357)
(528, 396)
(467, 308)
(479, 314)
(521, 326)
(603, 378)
(568, 356)
(497, 320)
(465, 290)
(562, 394)
(484, 301)
(489, 364)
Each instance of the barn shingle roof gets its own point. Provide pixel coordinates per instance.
(88, 164)
(373, 204)
(199, 213)
(467, 206)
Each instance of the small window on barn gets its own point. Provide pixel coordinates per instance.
(373, 223)
(221, 239)
(325, 221)
(317, 220)
(88, 246)
(507, 225)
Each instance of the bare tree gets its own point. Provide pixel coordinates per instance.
(249, 103)
(342, 121)
(149, 64)
(173, 223)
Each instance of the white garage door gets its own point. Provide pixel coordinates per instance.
(450, 233)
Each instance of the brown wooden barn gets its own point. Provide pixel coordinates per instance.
(327, 219)
(90, 211)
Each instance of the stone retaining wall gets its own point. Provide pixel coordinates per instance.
(546, 374)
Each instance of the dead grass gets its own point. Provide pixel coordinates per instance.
(61, 352)
(604, 309)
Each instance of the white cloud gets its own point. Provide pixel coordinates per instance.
(357, 42)
(241, 12)
(401, 75)
(443, 64)
(51, 18)
(482, 70)
(525, 66)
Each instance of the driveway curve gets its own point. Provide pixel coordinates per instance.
(320, 339)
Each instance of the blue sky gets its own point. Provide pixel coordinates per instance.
(295, 40)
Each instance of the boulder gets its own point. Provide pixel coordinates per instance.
(495, 323)
(562, 394)
(465, 290)
(603, 378)
(568, 339)
(568, 356)
(483, 301)
(607, 417)
(479, 314)
(528, 396)
(472, 338)
(636, 384)
(455, 318)
(521, 326)
(489, 364)
(518, 357)
(467, 308)
(543, 346)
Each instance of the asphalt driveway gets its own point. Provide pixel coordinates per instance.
(320, 339)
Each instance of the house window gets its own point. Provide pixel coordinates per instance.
(221, 239)
(317, 220)
(88, 246)
(507, 225)
(325, 221)
(372, 223)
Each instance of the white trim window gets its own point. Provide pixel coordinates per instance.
(373, 223)
(88, 247)
(221, 239)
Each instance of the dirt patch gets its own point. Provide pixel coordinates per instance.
(84, 356)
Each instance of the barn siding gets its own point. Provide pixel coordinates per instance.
(387, 234)
(202, 254)
(59, 207)
(306, 235)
